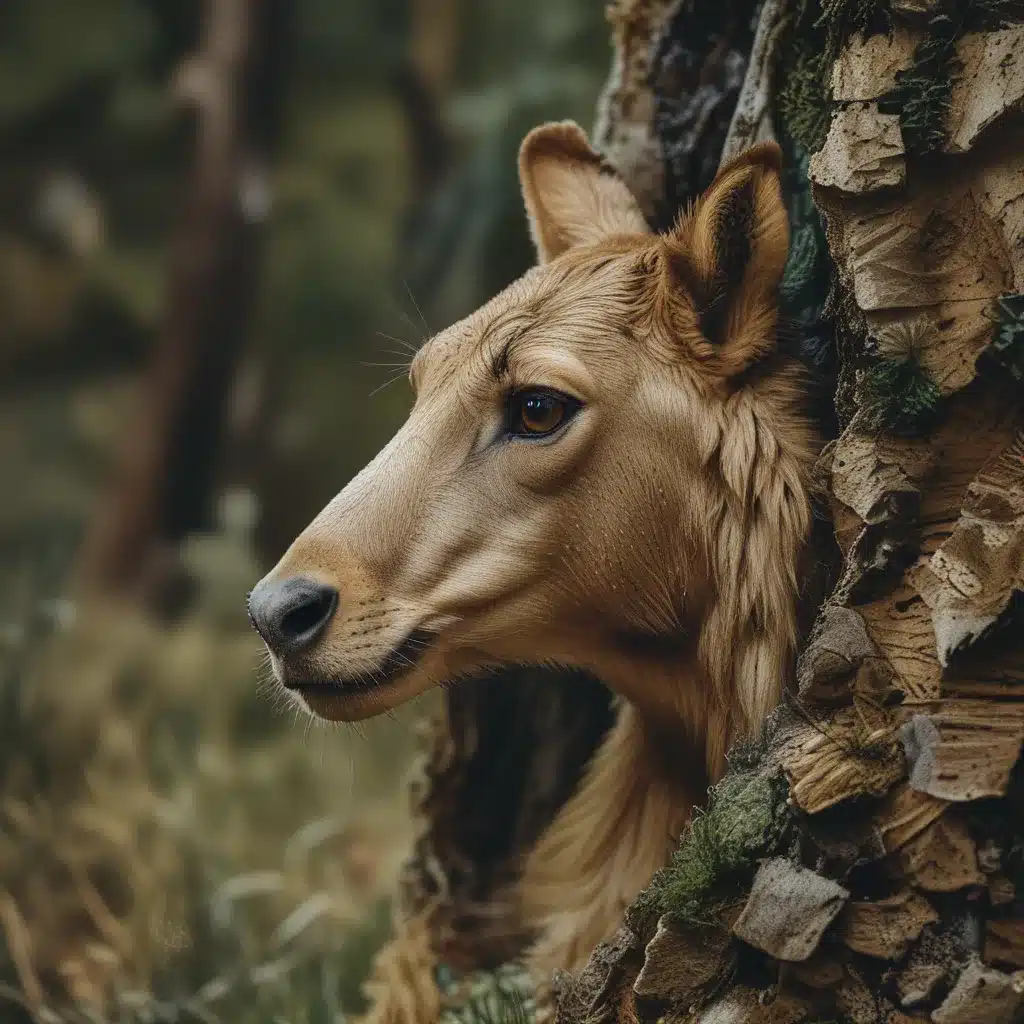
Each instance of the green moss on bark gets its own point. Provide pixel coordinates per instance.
(818, 30)
(816, 33)
(1005, 353)
(899, 397)
(924, 92)
(746, 819)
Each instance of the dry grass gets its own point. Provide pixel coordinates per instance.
(173, 847)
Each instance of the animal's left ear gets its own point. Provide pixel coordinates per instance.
(572, 197)
(729, 253)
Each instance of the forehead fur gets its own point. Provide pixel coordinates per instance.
(579, 298)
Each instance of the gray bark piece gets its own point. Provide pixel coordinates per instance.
(680, 963)
(836, 651)
(752, 119)
(584, 997)
(867, 68)
(789, 910)
(920, 737)
(982, 995)
(863, 151)
(916, 8)
(991, 85)
(918, 983)
(963, 751)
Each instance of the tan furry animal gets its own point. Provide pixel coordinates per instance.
(606, 467)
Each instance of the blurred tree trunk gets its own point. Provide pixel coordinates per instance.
(423, 82)
(424, 87)
(888, 881)
(170, 459)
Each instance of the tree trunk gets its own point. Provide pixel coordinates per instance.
(424, 83)
(170, 459)
(502, 757)
(865, 862)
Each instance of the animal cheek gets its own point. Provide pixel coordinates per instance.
(483, 579)
(549, 467)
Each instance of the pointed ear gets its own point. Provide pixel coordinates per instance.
(729, 253)
(572, 197)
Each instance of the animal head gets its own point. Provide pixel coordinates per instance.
(604, 467)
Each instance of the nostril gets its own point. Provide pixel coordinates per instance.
(290, 614)
(309, 616)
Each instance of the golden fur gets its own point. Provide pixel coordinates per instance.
(654, 541)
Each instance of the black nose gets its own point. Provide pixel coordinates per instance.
(290, 614)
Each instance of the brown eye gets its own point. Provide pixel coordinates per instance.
(536, 413)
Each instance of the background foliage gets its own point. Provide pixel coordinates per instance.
(170, 844)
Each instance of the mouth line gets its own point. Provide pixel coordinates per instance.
(402, 658)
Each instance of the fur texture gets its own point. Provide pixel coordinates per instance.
(653, 538)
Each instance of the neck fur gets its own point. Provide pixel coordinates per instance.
(715, 680)
(686, 701)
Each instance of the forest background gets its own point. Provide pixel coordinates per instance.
(223, 226)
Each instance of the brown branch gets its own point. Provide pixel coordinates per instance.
(170, 459)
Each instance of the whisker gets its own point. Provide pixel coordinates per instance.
(411, 323)
(408, 346)
(390, 366)
(412, 297)
(387, 383)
